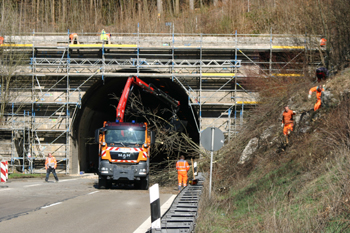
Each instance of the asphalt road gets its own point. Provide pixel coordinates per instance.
(71, 205)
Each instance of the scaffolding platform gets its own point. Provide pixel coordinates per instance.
(53, 75)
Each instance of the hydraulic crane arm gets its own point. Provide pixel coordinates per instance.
(150, 88)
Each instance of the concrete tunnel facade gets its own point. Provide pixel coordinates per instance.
(97, 107)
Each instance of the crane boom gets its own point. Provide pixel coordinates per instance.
(150, 88)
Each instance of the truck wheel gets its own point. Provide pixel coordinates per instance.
(144, 183)
(102, 182)
(108, 184)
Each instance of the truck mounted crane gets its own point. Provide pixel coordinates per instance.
(124, 147)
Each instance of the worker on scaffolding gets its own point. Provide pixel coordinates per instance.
(50, 166)
(287, 122)
(321, 74)
(182, 168)
(73, 38)
(105, 37)
(318, 89)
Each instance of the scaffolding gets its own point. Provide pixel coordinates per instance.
(210, 68)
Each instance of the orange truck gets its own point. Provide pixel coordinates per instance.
(124, 147)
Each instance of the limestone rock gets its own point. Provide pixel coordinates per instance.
(249, 150)
(267, 132)
(327, 99)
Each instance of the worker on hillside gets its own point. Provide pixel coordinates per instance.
(321, 74)
(318, 89)
(287, 122)
(50, 166)
(323, 41)
(182, 168)
(1, 40)
(105, 37)
(73, 38)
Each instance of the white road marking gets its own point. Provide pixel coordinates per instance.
(57, 203)
(67, 180)
(32, 185)
(93, 192)
(147, 224)
(3, 189)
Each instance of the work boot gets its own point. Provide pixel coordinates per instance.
(56, 181)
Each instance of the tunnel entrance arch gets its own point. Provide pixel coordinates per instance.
(97, 107)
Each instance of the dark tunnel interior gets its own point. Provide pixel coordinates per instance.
(97, 108)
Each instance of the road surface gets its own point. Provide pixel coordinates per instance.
(72, 205)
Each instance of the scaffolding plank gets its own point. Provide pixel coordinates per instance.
(101, 45)
(287, 47)
(219, 74)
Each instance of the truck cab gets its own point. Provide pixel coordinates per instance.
(124, 153)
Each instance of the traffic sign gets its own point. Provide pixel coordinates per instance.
(210, 134)
(212, 139)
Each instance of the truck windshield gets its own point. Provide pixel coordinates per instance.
(128, 136)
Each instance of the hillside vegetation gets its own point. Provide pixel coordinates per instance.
(302, 187)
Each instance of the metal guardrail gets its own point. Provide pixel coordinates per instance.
(182, 214)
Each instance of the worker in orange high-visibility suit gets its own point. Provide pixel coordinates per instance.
(287, 122)
(182, 168)
(50, 166)
(73, 38)
(318, 89)
(323, 42)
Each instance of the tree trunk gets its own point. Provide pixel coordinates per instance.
(37, 13)
(95, 23)
(91, 11)
(160, 6)
(64, 7)
(177, 6)
(139, 8)
(170, 10)
(191, 5)
(46, 10)
(3, 12)
(53, 13)
(25, 12)
(145, 6)
(215, 2)
(20, 17)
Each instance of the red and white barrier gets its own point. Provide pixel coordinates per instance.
(3, 171)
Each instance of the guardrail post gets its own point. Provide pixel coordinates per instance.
(155, 207)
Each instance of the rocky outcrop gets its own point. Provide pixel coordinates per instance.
(249, 150)
(327, 99)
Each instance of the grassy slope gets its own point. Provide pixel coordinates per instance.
(304, 189)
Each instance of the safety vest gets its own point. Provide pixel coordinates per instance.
(182, 166)
(323, 42)
(287, 117)
(50, 162)
(318, 93)
(1, 40)
(104, 36)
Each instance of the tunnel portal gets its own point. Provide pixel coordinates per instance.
(97, 107)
